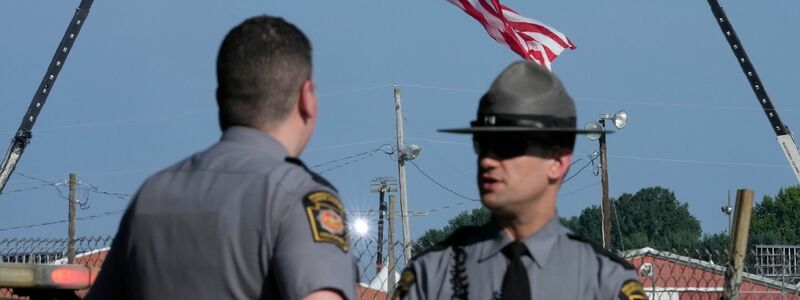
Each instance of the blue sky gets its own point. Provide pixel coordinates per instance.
(136, 95)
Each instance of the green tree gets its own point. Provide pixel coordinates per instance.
(652, 217)
(775, 219)
(433, 237)
(714, 247)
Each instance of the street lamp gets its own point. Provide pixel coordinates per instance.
(620, 119)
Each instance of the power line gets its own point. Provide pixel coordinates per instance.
(439, 184)
(95, 189)
(104, 214)
(356, 90)
(591, 162)
(440, 88)
(347, 160)
(24, 189)
(347, 145)
(581, 99)
(36, 179)
(131, 120)
(579, 190)
(186, 113)
(700, 161)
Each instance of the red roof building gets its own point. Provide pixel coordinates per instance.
(670, 276)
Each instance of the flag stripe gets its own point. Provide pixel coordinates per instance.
(527, 37)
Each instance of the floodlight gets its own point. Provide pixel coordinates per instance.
(593, 126)
(411, 151)
(620, 119)
(727, 209)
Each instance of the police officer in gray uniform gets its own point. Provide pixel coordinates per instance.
(244, 219)
(523, 135)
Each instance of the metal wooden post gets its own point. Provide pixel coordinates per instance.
(73, 182)
(738, 245)
(401, 170)
(605, 205)
(392, 263)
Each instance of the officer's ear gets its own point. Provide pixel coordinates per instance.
(561, 158)
(307, 102)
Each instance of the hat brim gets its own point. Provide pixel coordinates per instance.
(478, 129)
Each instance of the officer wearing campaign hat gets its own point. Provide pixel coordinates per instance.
(523, 135)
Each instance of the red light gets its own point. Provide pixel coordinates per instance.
(70, 276)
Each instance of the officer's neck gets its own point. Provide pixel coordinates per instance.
(526, 222)
(292, 136)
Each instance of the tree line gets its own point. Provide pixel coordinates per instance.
(653, 217)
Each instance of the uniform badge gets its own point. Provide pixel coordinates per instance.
(632, 290)
(326, 216)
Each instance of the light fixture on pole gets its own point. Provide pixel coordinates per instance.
(728, 210)
(403, 154)
(408, 152)
(620, 119)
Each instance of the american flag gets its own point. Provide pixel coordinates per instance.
(529, 38)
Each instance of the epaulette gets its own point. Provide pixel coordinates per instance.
(599, 249)
(316, 177)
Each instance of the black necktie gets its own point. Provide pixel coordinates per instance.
(515, 283)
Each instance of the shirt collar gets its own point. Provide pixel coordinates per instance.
(255, 138)
(539, 245)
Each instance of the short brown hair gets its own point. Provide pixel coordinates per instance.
(261, 66)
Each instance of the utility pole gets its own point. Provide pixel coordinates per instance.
(401, 170)
(73, 182)
(381, 185)
(738, 244)
(392, 256)
(606, 206)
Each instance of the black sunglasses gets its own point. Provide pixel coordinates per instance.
(509, 145)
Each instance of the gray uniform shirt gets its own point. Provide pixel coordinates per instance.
(237, 221)
(562, 266)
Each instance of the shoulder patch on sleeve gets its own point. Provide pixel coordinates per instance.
(316, 177)
(327, 219)
(404, 285)
(600, 250)
(632, 290)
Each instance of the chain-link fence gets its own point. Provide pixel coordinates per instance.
(700, 274)
(771, 272)
(379, 267)
(89, 251)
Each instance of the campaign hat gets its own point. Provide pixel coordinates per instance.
(525, 97)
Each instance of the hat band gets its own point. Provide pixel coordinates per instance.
(532, 121)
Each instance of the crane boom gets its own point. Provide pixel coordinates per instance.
(784, 136)
(23, 135)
